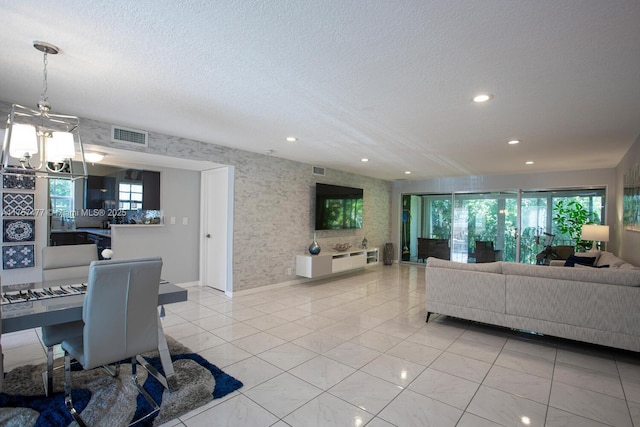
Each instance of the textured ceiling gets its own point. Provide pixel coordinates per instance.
(386, 80)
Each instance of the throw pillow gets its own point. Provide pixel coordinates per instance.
(572, 260)
(610, 259)
(591, 253)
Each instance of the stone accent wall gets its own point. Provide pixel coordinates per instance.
(273, 203)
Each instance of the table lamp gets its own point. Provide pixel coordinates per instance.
(595, 233)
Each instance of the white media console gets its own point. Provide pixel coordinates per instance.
(326, 263)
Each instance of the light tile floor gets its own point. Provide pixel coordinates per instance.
(356, 351)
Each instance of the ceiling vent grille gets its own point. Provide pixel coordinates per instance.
(129, 136)
(317, 170)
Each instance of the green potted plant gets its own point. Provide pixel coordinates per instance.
(569, 217)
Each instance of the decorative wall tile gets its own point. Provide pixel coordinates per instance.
(26, 181)
(18, 230)
(17, 204)
(18, 256)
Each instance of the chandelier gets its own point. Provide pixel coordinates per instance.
(40, 142)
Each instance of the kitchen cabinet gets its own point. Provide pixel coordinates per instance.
(102, 242)
(68, 238)
(102, 238)
(100, 189)
(151, 191)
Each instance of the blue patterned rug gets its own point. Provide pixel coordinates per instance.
(105, 400)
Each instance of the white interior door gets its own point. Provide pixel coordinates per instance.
(216, 253)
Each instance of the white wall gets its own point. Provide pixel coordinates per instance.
(548, 180)
(177, 244)
(628, 246)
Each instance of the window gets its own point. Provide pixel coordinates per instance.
(61, 197)
(466, 218)
(130, 196)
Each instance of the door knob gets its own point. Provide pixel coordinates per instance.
(208, 235)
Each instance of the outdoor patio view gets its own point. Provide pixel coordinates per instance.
(509, 226)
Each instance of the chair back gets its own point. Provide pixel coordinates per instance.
(120, 310)
(484, 251)
(437, 248)
(67, 262)
(563, 251)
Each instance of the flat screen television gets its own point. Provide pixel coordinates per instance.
(338, 208)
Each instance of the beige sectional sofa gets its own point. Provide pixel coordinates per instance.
(600, 306)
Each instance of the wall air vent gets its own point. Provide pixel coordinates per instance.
(317, 170)
(129, 136)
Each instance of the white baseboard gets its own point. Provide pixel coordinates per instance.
(267, 287)
(301, 281)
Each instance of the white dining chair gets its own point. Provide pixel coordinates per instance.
(61, 263)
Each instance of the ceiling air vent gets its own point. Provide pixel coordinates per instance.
(317, 170)
(129, 136)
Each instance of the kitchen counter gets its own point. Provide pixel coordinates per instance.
(97, 231)
(136, 225)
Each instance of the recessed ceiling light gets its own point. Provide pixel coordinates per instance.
(514, 142)
(483, 97)
(364, 160)
(530, 162)
(407, 172)
(292, 139)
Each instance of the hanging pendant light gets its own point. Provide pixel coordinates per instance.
(54, 138)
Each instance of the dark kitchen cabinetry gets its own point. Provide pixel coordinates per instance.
(100, 189)
(81, 238)
(101, 192)
(151, 190)
(68, 238)
(102, 242)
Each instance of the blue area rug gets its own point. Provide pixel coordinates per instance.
(110, 401)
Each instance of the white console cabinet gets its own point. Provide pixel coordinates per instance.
(334, 262)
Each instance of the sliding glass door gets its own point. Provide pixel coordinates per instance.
(424, 216)
(539, 230)
(481, 227)
(484, 227)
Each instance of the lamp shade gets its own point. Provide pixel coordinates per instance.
(60, 147)
(595, 232)
(24, 140)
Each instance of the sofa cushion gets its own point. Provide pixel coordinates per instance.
(590, 275)
(590, 266)
(607, 258)
(570, 303)
(486, 267)
(461, 289)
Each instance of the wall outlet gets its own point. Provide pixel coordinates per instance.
(289, 271)
(172, 220)
(185, 220)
